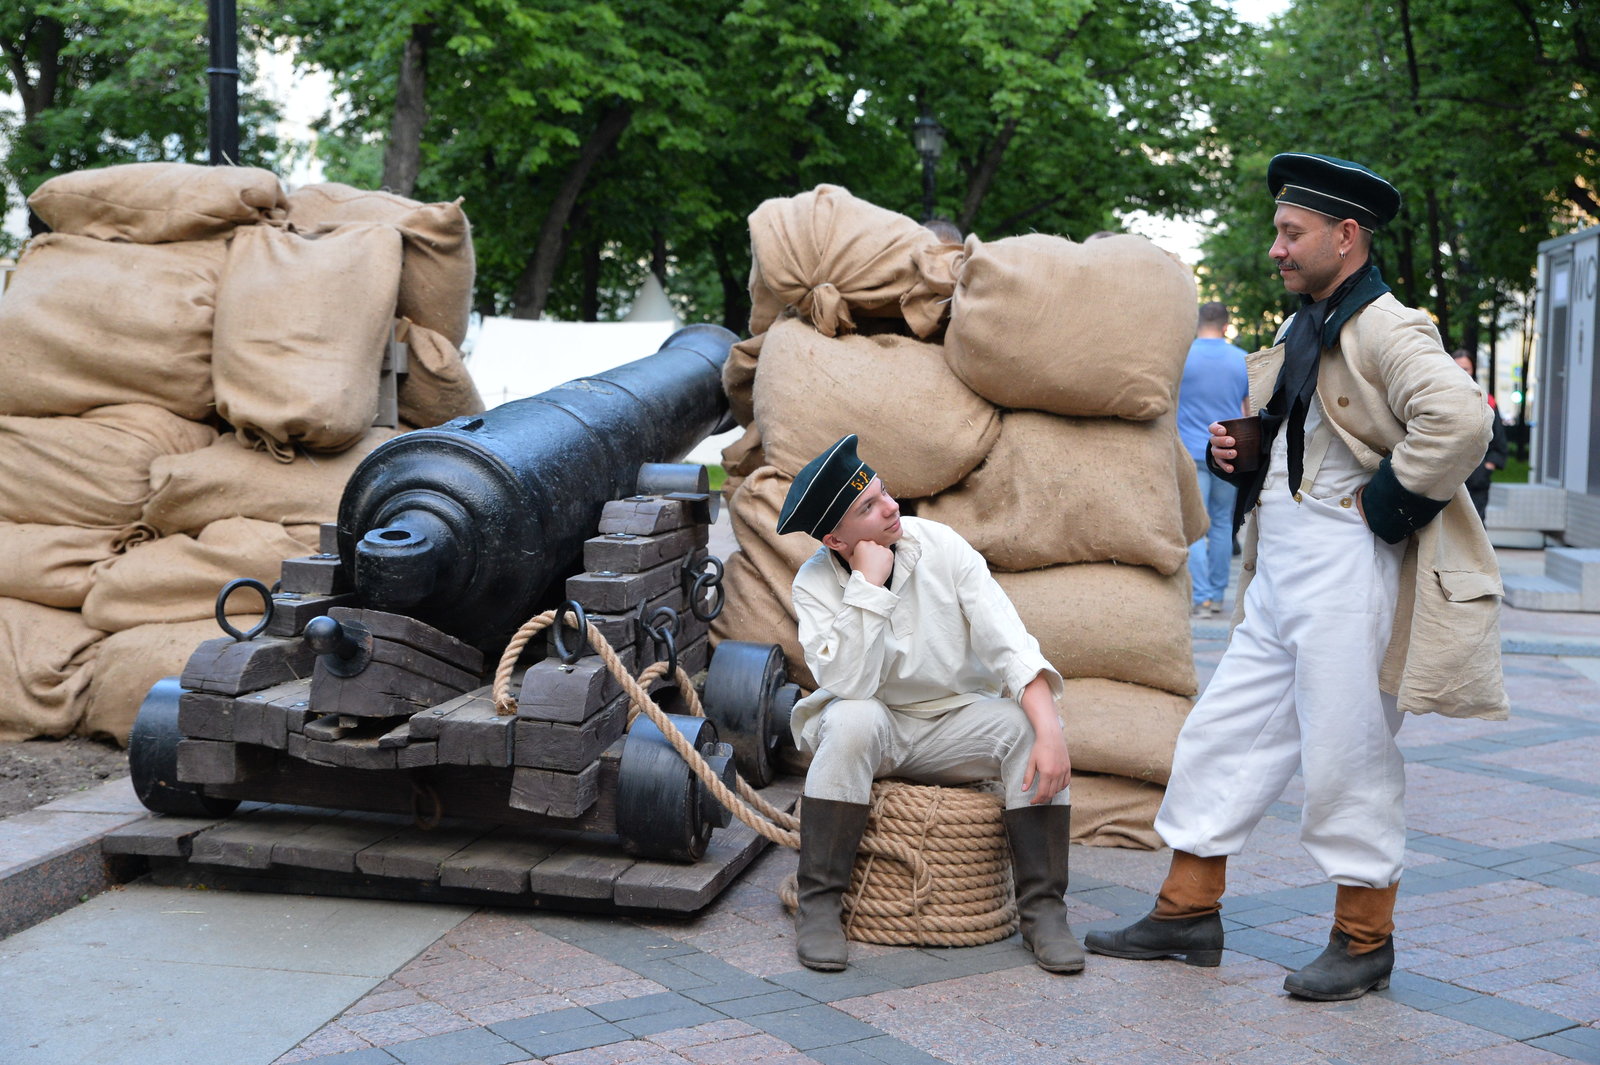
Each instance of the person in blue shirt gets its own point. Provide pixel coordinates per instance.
(1214, 389)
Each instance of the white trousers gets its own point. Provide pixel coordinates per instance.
(855, 741)
(1297, 688)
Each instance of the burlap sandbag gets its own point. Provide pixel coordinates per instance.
(229, 480)
(1057, 489)
(756, 611)
(1126, 729)
(302, 326)
(1113, 811)
(90, 323)
(765, 306)
(825, 252)
(153, 203)
(92, 470)
(1099, 619)
(128, 664)
(740, 459)
(436, 282)
(1097, 330)
(436, 386)
(52, 565)
(739, 377)
(753, 513)
(176, 578)
(921, 429)
(46, 656)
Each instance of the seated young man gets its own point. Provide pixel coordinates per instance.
(925, 672)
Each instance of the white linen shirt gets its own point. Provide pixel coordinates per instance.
(946, 634)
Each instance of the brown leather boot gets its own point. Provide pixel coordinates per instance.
(830, 832)
(1186, 922)
(1360, 952)
(1193, 887)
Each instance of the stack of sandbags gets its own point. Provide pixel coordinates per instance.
(1041, 428)
(188, 375)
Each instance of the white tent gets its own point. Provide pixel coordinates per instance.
(514, 358)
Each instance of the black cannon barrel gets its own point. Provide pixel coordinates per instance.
(466, 526)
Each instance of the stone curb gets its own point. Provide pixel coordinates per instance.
(50, 857)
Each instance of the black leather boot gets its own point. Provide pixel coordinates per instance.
(1360, 952)
(1196, 940)
(830, 832)
(1186, 922)
(1038, 837)
(1337, 974)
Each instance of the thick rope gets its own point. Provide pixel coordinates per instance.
(933, 866)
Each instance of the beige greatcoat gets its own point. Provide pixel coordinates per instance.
(1388, 389)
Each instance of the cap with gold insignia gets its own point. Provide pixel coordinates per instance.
(824, 489)
(1334, 187)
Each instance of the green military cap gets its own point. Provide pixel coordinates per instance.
(1334, 187)
(824, 489)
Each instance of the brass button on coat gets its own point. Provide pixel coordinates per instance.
(1297, 497)
(1344, 401)
(1345, 501)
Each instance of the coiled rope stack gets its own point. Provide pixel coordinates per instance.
(933, 868)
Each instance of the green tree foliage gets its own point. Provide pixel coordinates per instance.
(1479, 111)
(595, 139)
(112, 81)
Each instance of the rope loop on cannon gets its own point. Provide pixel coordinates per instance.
(933, 867)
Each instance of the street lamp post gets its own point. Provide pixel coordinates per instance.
(224, 78)
(928, 138)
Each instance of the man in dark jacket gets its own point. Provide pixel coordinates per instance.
(1495, 457)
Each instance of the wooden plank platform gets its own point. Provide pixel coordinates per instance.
(300, 850)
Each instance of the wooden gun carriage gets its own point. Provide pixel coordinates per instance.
(367, 684)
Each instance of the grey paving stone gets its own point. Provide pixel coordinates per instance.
(544, 1046)
(813, 1026)
(831, 987)
(546, 1023)
(746, 986)
(882, 1050)
(665, 1021)
(668, 973)
(1562, 1043)
(777, 1002)
(369, 1056)
(1310, 898)
(1454, 866)
(1528, 868)
(471, 1046)
(1116, 898)
(1572, 787)
(1572, 880)
(1260, 915)
(1424, 992)
(1506, 1018)
(843, 1054)
(1269, 946)
(1588, 844)
(643, 1006)
(1468, 878)
(709, 965)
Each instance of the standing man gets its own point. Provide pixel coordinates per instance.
(1215, 387)
(1375, 592)
(924, 670)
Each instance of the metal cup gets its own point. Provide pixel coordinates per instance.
(1246, 433)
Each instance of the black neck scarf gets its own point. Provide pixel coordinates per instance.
(1314, 327)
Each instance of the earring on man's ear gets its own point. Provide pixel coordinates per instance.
(1341, 255)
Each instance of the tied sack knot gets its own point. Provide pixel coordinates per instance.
(827, 310)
